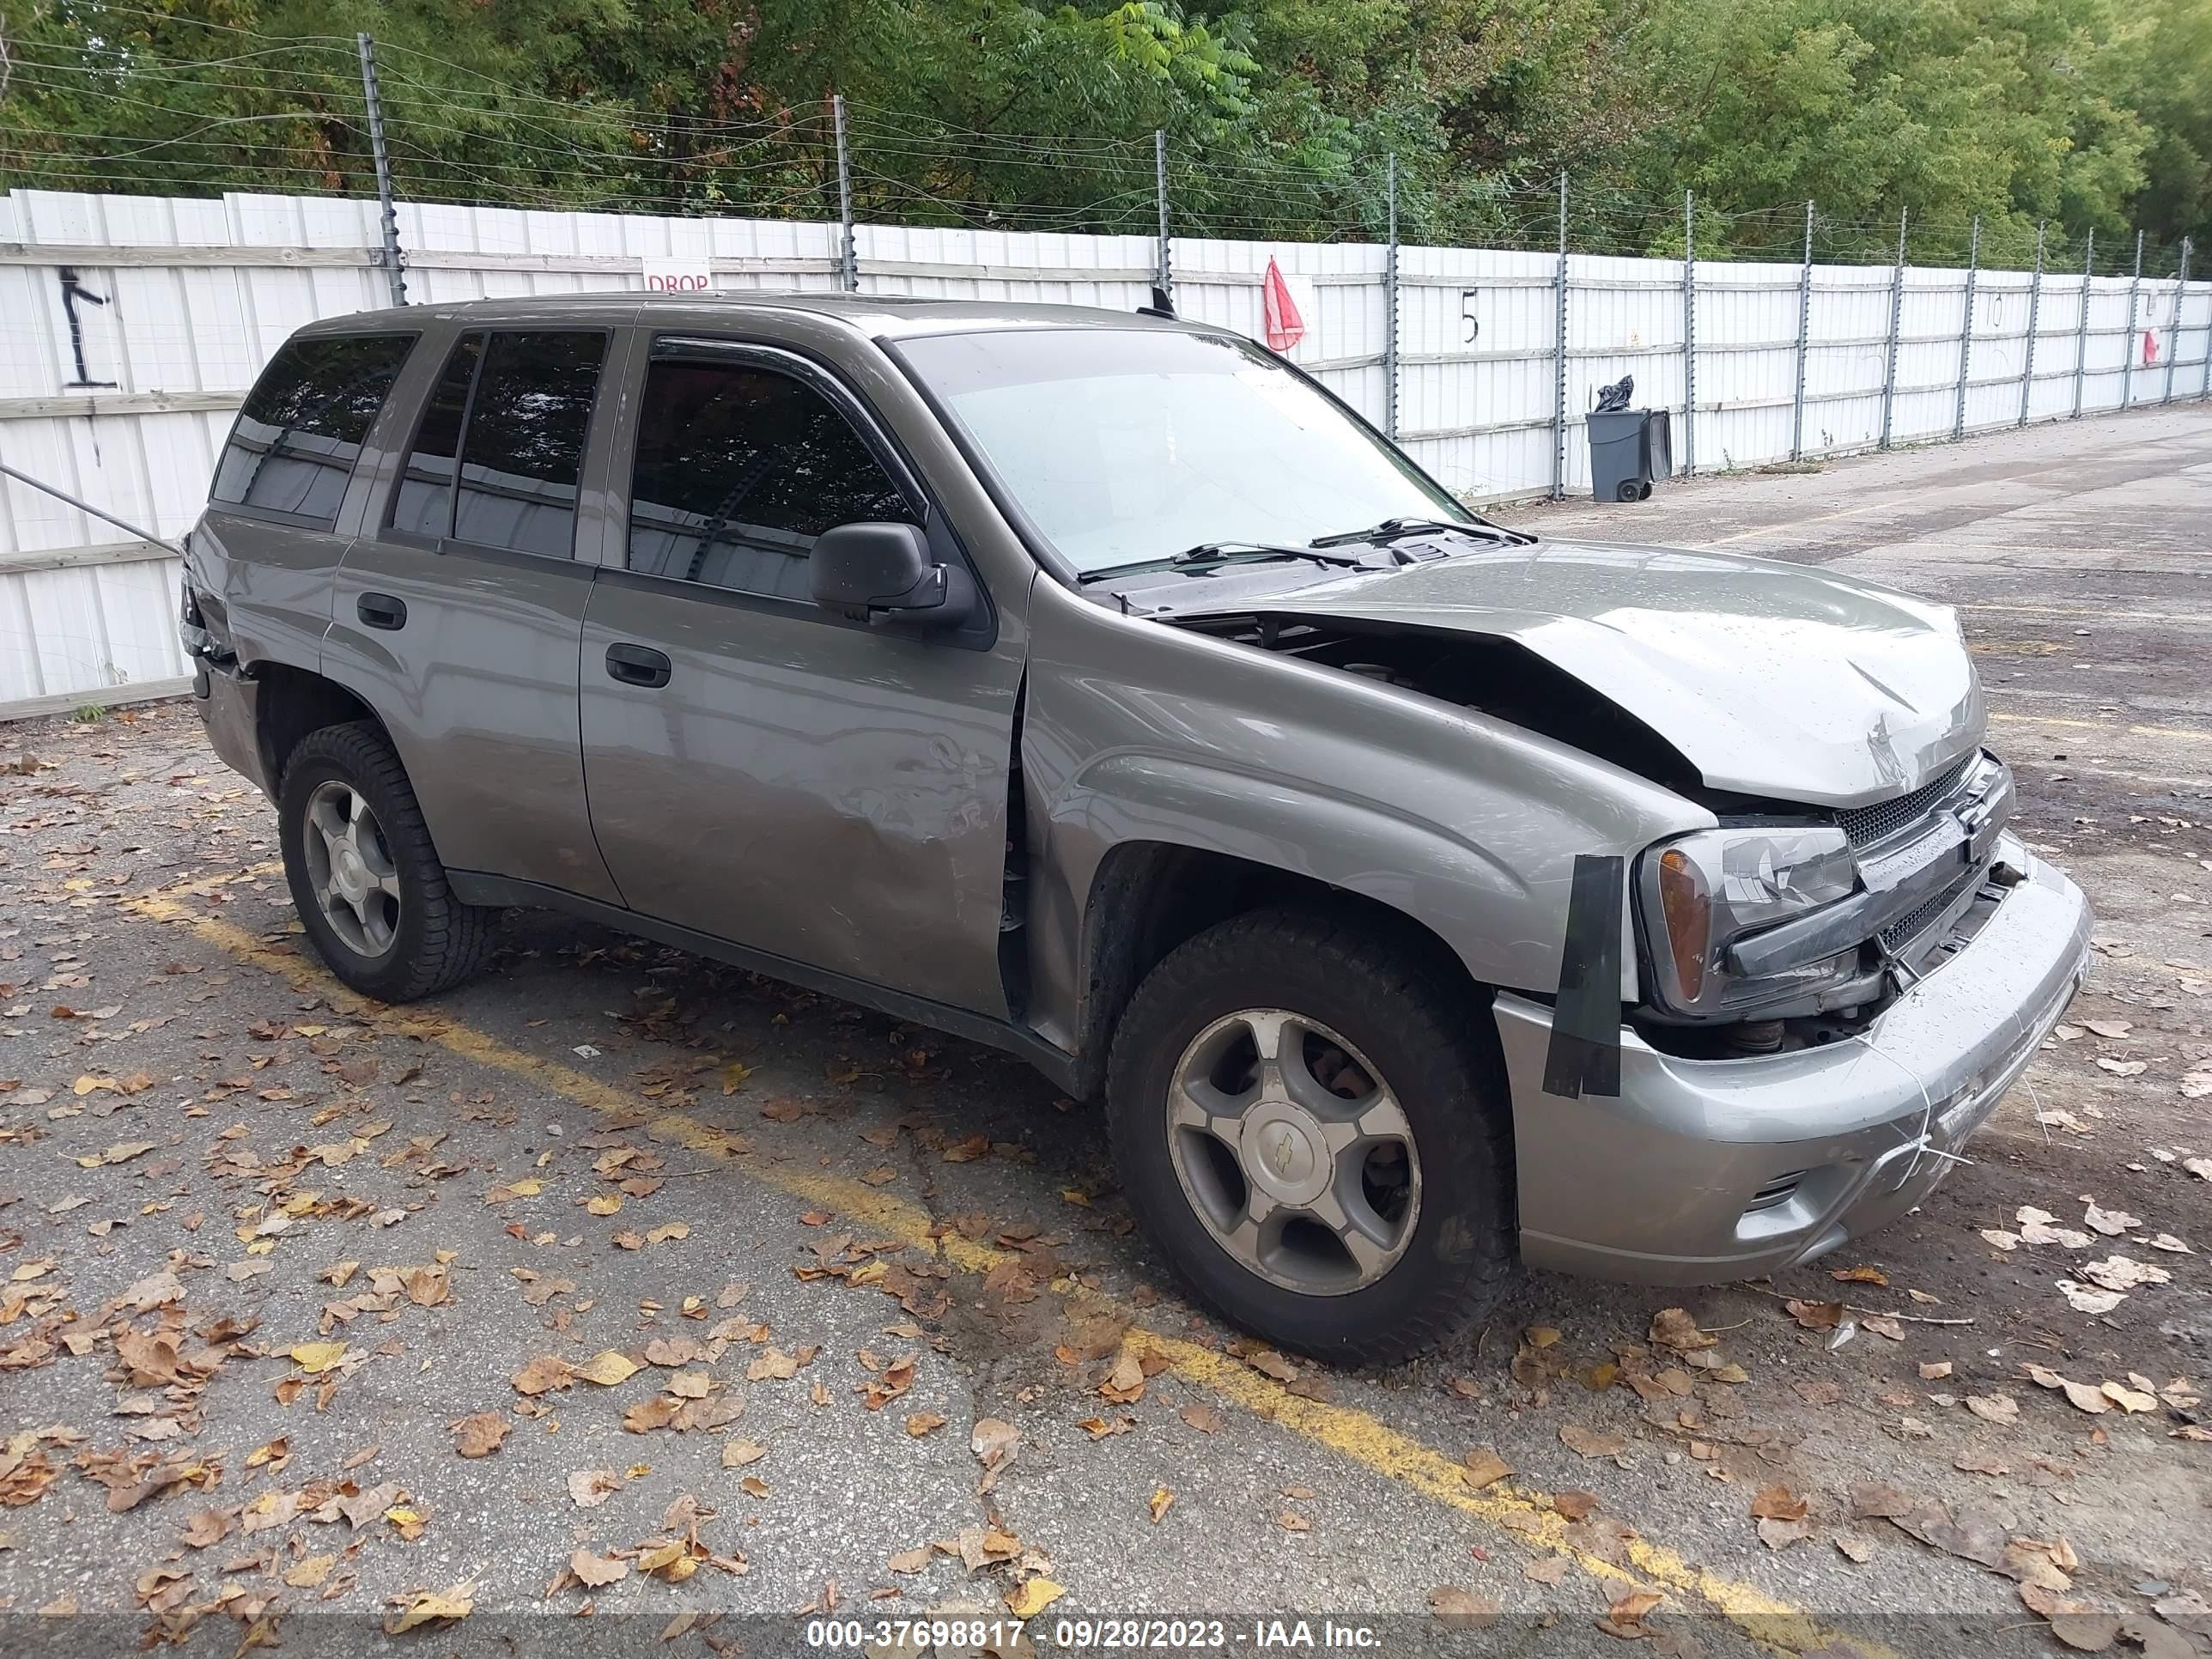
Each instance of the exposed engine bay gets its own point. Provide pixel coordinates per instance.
(1903, 883)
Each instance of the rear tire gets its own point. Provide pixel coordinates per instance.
(365, 878)
(1415, 1095)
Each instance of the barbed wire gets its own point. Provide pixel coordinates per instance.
(458, 135)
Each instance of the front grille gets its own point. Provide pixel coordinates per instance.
(1908, 925)
(1868, 826)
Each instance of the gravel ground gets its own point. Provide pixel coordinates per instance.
(756, 1309)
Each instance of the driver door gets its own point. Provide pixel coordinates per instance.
(757, 768)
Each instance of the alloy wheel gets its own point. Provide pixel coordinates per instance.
(1294, 1152)
(350, 869)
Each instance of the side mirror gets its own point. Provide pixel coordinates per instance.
(885, 572)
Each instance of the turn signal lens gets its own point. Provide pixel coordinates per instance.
(1687, 909)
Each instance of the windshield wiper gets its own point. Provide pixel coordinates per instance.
(1391, 530)
(1212, 553)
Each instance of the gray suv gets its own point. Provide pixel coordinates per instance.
(1421, 896)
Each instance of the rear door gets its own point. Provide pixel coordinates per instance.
(459, 608)
(760, 770)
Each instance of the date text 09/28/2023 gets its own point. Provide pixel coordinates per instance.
(1165, 1635)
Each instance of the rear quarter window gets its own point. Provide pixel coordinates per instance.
(293, 450)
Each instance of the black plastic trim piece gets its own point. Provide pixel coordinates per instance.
(1584, 1056)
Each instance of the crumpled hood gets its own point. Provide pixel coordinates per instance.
(1773, 679)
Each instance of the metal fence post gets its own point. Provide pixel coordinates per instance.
(1559, 360)
(2082, 338)
(1966, 332)
(394, 276)
(1689, 332)
(2034, 309)
(1163, 275)
(1390, 305)
(1804, 339)
(2173, 341)
(1896, 317)
(848, 257)
(2135, 294)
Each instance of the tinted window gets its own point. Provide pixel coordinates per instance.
(526, 441)
(738, 469)
(424, 504)
(302, 427)
(525, 403)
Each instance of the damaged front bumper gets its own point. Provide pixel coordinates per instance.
(1705, 1171)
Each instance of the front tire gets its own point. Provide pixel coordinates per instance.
(365, 878)
(1311, 1123)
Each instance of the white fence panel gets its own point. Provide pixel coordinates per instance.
(131, 328)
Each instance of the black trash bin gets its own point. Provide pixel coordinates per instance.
(1629, 448)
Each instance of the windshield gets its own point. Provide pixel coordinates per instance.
(1125, 445)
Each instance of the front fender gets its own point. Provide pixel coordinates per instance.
(1139, 731)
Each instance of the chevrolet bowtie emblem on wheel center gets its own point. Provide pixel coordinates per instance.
(1286, 1150)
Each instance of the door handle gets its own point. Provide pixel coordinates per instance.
(382, 610)
(637, 664)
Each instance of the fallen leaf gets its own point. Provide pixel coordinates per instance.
(606, 1368)
(1591, 1443)
(2129, 1400)
(2121, 1273)
(1781, 1534)
(2000, 1408)
(1032, 1596)
(1486, 1467)
(2110, 1223)
(309, 1572)
(1125, 1384)
(1626, 1617)
(589, 1488)
(426, 1606)
(1777, 1503)
(2086, 1629)
(1672, 1327)
(771, 1364)
(919, 1423)
(316, 1357)
(1859, 1276)
(479, 1434)
(1204, 1418)
(1936, 1371)
(994, 1439)
(2083, 1300)
(594, 1571)
(1458, 1609)
(543, 1373)
(1163, 1501)
(1817, 1315)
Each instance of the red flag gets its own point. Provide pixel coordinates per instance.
(1285, 328)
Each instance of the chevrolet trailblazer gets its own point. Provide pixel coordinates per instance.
(1421, 896)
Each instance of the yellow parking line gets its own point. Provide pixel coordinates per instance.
(1351, 1433)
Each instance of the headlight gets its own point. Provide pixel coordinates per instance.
(1704, 892)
